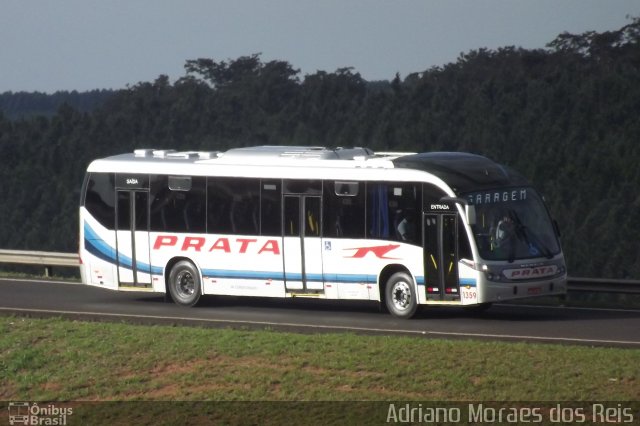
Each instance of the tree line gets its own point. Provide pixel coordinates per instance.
(15, 105)
(565, 116)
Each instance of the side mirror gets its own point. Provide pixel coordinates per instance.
(469, 209)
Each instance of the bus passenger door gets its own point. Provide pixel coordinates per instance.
(302, 244)
(132, 238)
(441, 256)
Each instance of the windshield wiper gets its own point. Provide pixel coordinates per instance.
(526, 233)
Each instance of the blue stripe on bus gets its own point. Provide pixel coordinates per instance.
(290, 276)
(470, 282)
(351, 278)
(99, 248)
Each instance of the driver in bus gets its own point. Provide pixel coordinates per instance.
(503, 231)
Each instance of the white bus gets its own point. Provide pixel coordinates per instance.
(403, 229)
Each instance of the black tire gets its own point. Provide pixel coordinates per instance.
(184, 283)
(400, 295)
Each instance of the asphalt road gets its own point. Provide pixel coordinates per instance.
(596, 327)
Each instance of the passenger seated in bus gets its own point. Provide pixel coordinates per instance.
(407, 226)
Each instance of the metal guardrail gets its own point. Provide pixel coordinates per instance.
(599, 285)
(50, 259)
(43, 258)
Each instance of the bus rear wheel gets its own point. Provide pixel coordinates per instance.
(400, 295)
(184, 283)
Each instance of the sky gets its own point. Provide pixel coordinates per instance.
(50, 45)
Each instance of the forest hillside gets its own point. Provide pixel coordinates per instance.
(567, 117)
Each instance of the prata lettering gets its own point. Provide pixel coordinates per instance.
(533, 272)
(541, 271)
(222, 244)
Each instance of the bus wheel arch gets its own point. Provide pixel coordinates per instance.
(398, 291)
(183, 281)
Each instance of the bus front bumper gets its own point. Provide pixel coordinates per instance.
(503, 291)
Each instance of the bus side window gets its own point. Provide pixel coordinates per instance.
(394, 211)
(344, 209)
(233, 206)
(194, 210)
(377, 211)
(99, 199)
(177, 203)
(271, 207)
(406, 198)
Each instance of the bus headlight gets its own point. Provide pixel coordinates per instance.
(490, 275)
(493, 276)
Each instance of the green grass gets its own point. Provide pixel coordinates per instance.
(225, 376)
(56, 359)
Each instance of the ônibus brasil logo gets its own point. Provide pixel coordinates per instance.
(26, 413)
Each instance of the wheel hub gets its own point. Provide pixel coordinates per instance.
(401, 295)
(186, 283)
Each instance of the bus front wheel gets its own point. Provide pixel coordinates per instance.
(400, 295)
(184, 283)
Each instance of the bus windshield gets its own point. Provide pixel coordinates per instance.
(512, 224)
